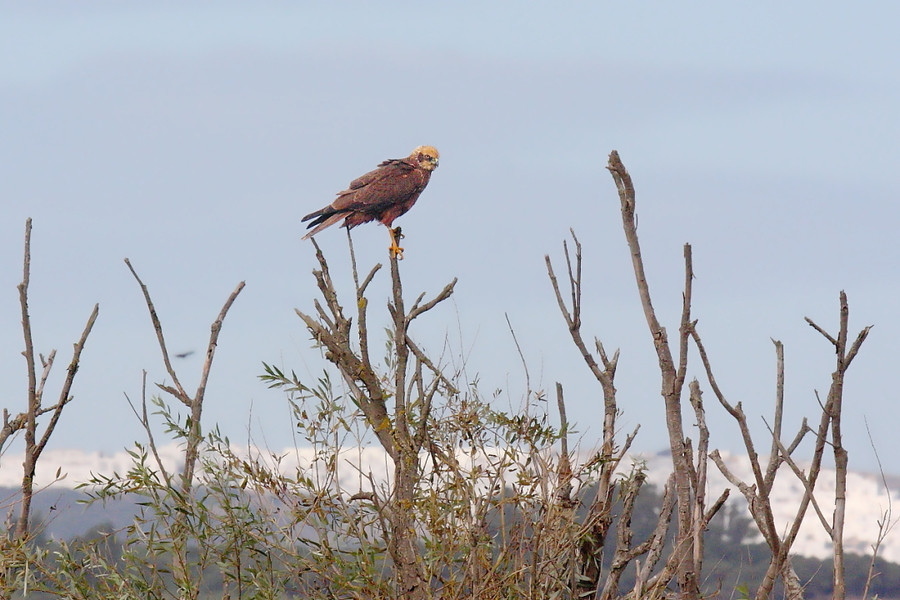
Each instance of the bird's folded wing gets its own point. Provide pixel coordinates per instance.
(383, 187)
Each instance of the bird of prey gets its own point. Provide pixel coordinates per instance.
(380, 195)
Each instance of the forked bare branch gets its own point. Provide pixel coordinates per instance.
(672, 380)
(27, 421)
(178, 391)
(195, 403)
(832, 414)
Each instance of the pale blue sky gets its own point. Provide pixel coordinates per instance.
(191, 138)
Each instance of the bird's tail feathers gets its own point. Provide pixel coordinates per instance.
(327, 222)
(322, 214)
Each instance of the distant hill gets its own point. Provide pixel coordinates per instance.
(60, 512)
(64, 517)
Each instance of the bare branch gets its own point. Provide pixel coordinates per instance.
(428, 398)
(144, 420)
(715, 508)
(403, 546)
(361, 304)
(774, 461)
(373, 401)
(215, 328)
(671, 384)
(627, 200)
(822, 331)
(764, 514)
(26, 323)
(786, 457)
(512, 332)
(157, 326)
(643, 582)
(28, 420)
(699, 472)
(443, 295)
(801, 433)
(687, 326)
(573, 320)
(431, 366)
(47, 365)
(10, 427)
(749, 491)
(195, 404)
(860, 338)
(574, 278)
(64, 397)
(624, 553)
(564, 492)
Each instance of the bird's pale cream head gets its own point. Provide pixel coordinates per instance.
(426, 157)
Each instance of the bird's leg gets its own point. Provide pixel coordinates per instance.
(396, 236)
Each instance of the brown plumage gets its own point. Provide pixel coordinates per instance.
(383, 195)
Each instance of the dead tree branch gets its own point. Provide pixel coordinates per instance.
(28, 420)
(195, 403)
(672, 380)
(834, 410)
(178, 391)
(599, 517)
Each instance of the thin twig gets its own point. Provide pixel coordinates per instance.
(885, 524)
(512, 332)
(157, 326)
(144, 420)
(215, 328)
(64, 397)
(443, 295)
(786, 457)
(431, 366)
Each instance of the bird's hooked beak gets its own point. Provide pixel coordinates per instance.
(429, 163)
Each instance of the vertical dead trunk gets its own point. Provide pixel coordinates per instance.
(834, 410)
(404, 541)
(672, 384)
(35, 441)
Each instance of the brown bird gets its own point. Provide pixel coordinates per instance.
(380, 195)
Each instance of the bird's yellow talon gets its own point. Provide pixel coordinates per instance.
(396, 251)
